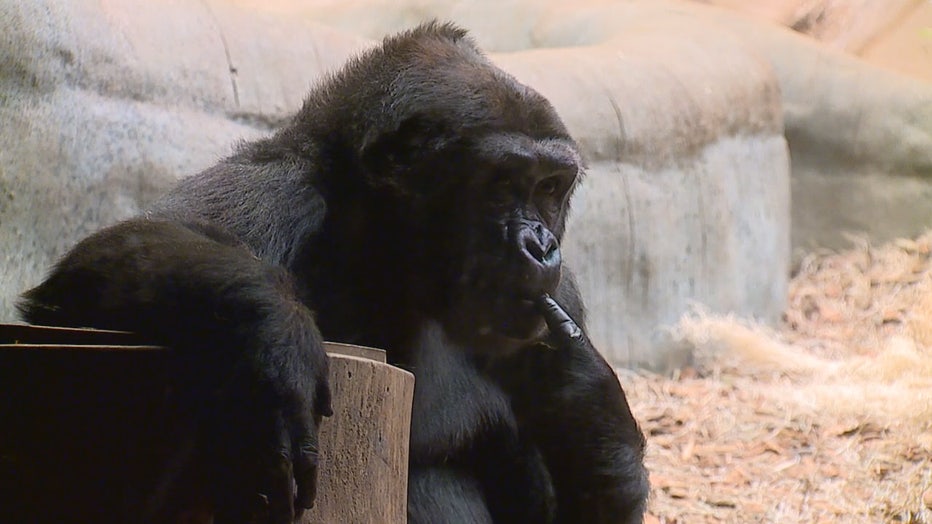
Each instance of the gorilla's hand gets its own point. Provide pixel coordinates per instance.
(262, 441)
(586, 432)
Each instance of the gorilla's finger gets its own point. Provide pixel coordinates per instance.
(322, 403)
(280, 489)
(557, 319)
(278, 483)
(306, 460)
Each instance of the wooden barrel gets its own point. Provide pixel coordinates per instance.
(82, 428)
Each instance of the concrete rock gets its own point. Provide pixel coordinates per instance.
(893, 34)
(860, 137)
(104, 106)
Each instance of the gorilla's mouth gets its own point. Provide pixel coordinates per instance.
(499, 300)
(517, 318)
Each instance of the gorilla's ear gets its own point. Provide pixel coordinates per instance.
(388, 154)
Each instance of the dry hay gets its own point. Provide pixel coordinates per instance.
(828, 419)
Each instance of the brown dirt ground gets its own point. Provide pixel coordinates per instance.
(826, 419)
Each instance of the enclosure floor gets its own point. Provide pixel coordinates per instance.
(828, 419)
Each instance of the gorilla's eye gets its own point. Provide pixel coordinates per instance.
(549, 186)
(502, 182)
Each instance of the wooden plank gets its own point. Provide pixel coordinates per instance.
(338, 348)
(83, 421)
(28, 334)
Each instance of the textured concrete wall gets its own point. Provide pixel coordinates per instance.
(713, 232)
(860, 136)
(104, 105)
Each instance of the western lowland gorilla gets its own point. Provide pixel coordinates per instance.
(415, 203)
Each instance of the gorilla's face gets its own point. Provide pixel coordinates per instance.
(510, 217)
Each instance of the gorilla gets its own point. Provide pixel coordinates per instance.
(415, 203)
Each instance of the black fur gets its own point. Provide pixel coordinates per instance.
(415, 203)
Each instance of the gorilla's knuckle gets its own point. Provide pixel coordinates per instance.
(282, 458)
(309, 453)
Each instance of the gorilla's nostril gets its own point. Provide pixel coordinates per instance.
(546, 255)
(533, 247)
(552, 256)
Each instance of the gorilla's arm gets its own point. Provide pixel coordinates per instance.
(250, 359)
(569, 401)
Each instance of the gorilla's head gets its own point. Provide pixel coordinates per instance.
(473, 170)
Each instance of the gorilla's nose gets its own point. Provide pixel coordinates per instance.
(542, 247)
(540, 254)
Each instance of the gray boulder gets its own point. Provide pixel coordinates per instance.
(860, 136)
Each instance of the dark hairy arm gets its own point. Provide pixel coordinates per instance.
(250, 366)
(578, 416)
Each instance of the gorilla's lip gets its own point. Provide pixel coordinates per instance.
(524, 306)
(532, 300)
(519, 319)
